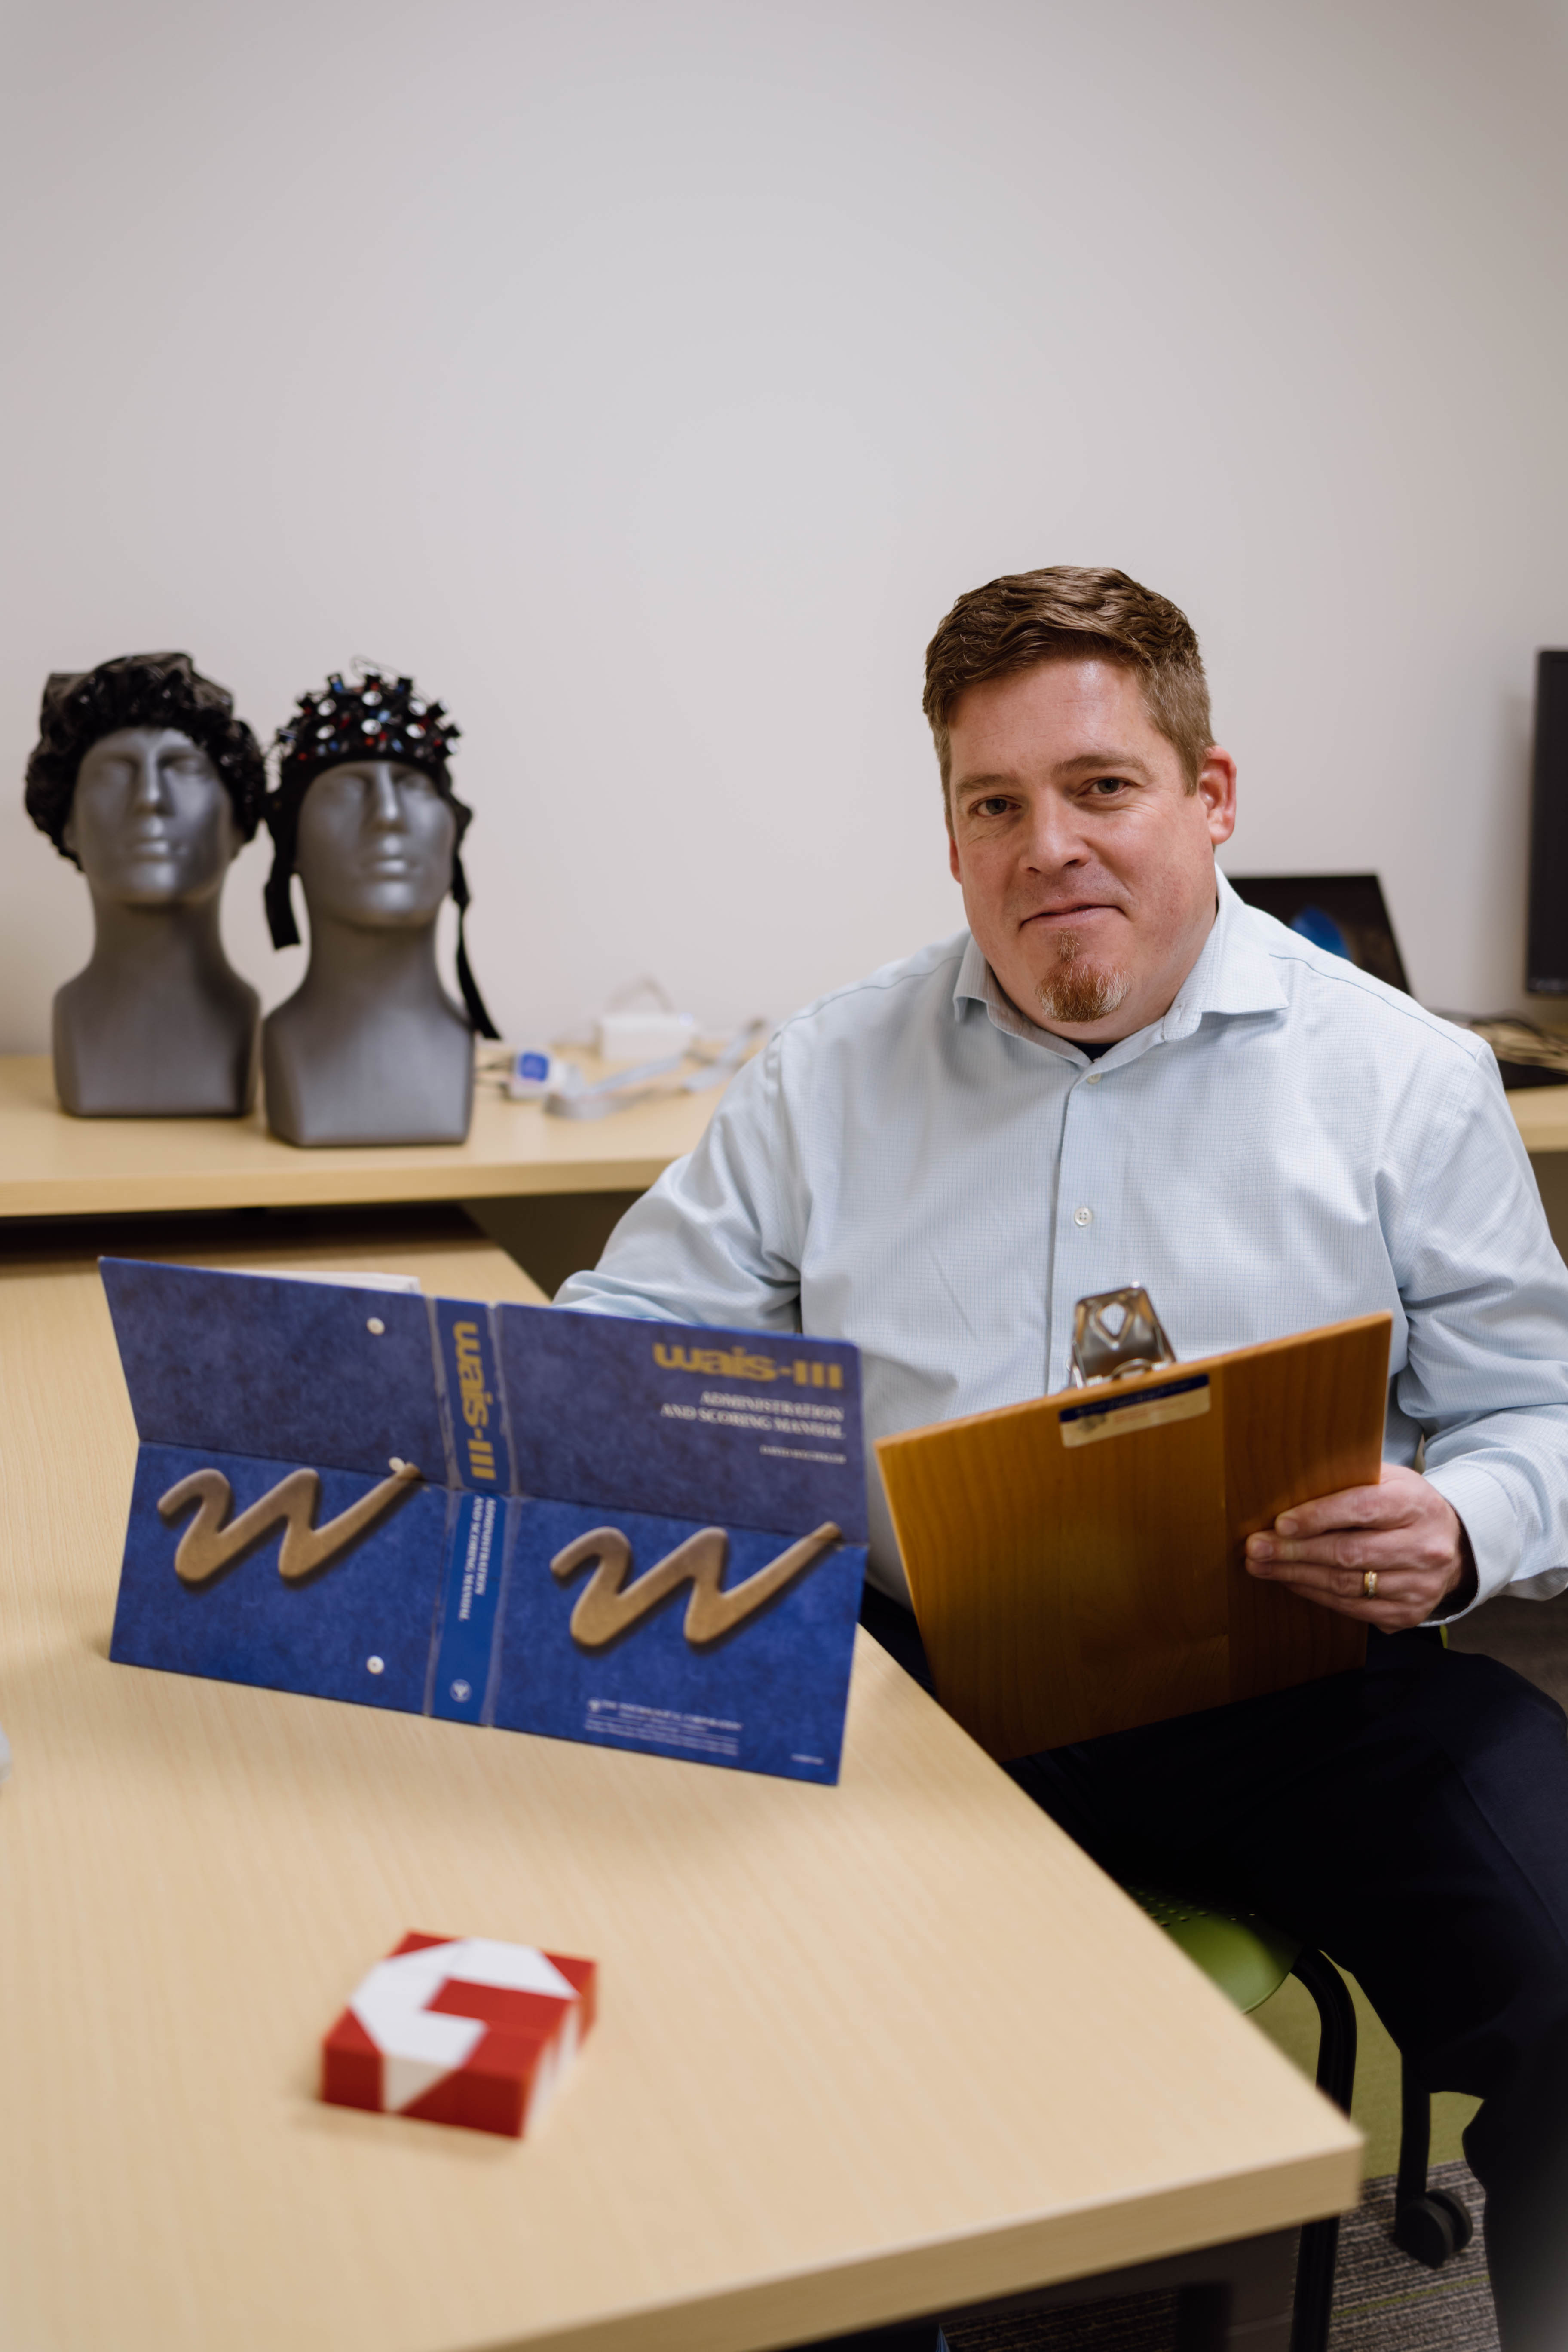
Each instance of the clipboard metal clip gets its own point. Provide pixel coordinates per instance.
(1116, 1333)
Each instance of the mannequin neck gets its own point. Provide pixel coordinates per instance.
(149, 945)
(158, 1024)
(365, 971)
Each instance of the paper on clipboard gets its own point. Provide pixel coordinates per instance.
(1115, 1415)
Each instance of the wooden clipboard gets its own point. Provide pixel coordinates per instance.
(1076, 1562)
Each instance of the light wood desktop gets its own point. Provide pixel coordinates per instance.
(52, 1165)
(1541, 1114)
(864, 2050)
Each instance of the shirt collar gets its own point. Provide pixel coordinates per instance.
(1233, 973)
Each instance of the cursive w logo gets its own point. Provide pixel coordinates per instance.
(207, 1546)
(608, 1606)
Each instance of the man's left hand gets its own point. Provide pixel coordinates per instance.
(1403, 1528)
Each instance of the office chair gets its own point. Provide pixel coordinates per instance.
(1248, 1959)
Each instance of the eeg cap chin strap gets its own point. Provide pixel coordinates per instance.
(372, 721)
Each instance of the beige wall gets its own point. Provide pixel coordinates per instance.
(648, 377)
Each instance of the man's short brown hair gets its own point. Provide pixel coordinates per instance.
(1066, 613)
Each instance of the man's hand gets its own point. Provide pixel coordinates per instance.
(1403, 1528)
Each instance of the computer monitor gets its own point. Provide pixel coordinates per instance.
(1546, 943)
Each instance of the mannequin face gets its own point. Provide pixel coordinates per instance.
(375, 845)
(150, 819)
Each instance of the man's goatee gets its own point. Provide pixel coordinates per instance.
(1079, 991)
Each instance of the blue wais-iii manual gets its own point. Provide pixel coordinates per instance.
(636, 1534)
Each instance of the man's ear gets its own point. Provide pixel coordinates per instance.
(953, 865)
(1216, 790)
(68, 831)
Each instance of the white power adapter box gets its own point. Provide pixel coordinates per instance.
(644, 1036)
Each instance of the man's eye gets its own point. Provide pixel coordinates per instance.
(1105, 787)
(994, 805)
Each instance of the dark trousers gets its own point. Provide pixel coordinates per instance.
(1412, 1821)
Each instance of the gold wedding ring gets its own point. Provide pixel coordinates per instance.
(1369, 1585)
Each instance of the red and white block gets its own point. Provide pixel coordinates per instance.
(460, 2030)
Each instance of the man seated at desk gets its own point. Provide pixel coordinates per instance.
(1120, 1073)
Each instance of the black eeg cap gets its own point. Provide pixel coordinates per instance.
(374, 719)
(81, 707)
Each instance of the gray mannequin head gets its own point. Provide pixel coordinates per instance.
(149, 822)
(166, 764)
(144, 779)
(370, 1049)
(364, 811)
(373, 845)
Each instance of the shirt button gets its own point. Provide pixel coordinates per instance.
(1083, 1216)
(1094, 1077)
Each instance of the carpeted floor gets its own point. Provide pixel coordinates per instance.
(1383, 2301)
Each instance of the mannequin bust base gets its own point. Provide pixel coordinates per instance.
(180, 1052)
(398, 1073)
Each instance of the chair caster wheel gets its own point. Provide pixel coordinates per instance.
(1432, 2227)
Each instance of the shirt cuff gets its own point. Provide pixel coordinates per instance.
(1482, 1502)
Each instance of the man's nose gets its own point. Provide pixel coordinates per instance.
(385, 812)
(150, 794)
(1054, 838)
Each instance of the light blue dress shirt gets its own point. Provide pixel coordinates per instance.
(913, 1165)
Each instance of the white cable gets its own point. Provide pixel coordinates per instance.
(625, 1088)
